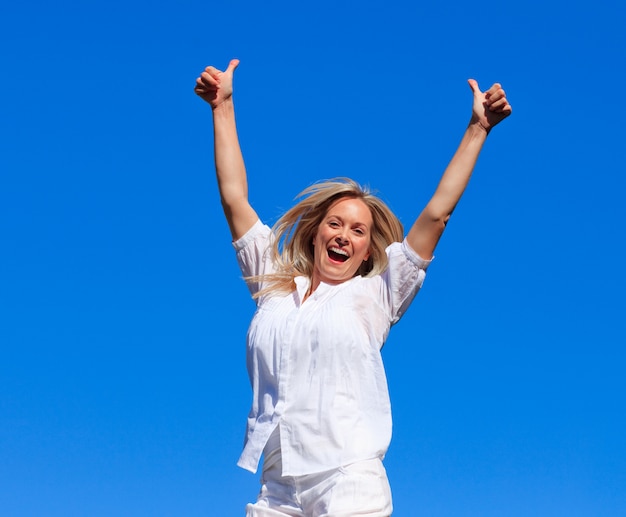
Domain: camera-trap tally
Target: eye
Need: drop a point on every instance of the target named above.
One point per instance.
(333, 224)
(359, 231)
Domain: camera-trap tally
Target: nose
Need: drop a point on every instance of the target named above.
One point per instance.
(342, 240)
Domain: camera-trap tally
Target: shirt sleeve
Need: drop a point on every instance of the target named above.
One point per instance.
(403, 277)
(254, 254)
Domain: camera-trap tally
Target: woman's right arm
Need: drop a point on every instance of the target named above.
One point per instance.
(216, 88)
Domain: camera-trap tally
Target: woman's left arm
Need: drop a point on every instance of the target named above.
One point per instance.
(490, 108)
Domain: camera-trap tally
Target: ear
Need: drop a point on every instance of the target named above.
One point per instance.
(367, 256)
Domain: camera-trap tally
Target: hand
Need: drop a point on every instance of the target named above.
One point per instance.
(215, 86)
(490, 107)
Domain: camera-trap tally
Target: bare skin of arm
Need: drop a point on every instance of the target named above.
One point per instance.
(489, 108)
(216, 88)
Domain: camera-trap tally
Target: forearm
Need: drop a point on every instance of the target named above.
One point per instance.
(229, 164)
(457, 174)
(429, 226)
(230, 170)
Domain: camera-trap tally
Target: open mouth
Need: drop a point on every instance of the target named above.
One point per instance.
(338, 254)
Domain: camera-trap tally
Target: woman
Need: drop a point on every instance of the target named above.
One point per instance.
(329, 280)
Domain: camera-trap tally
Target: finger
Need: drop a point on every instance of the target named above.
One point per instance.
(506, 110)
(209, 80)
(493, 90)
(211, 70)
(496, 98)
(497, 95)
(473, 84)
(495, 105)
(201, 90)
(234, 63)
(201, 87)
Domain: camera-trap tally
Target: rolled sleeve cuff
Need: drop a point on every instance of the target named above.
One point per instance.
(414, 257)
(249, 236)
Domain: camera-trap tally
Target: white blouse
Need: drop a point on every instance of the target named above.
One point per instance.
(315, 367)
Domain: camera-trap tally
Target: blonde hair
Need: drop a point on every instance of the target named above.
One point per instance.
(292, 250)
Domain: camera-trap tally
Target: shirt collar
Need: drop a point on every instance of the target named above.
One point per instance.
(302, 286)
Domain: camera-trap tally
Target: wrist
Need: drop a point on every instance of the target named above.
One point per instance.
(477, 128)
(226, 107)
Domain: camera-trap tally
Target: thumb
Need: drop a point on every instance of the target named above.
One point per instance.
(474, 86)
(234, 63)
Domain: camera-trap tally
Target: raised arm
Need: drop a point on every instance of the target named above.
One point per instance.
(216, 88)
(490, 107)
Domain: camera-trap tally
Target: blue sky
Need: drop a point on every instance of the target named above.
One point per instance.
(123, 389)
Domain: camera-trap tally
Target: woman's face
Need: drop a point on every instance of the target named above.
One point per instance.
(342, 242)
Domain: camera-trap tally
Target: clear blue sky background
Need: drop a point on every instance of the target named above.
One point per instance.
(123, 389)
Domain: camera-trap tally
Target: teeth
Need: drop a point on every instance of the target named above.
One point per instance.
(340, 251)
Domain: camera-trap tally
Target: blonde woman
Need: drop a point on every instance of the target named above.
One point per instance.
(330, 279)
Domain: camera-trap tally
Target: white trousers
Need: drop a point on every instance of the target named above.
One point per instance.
(359, 489)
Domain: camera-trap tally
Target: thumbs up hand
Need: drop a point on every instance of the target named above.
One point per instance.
(215, 86)
(490, 107)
